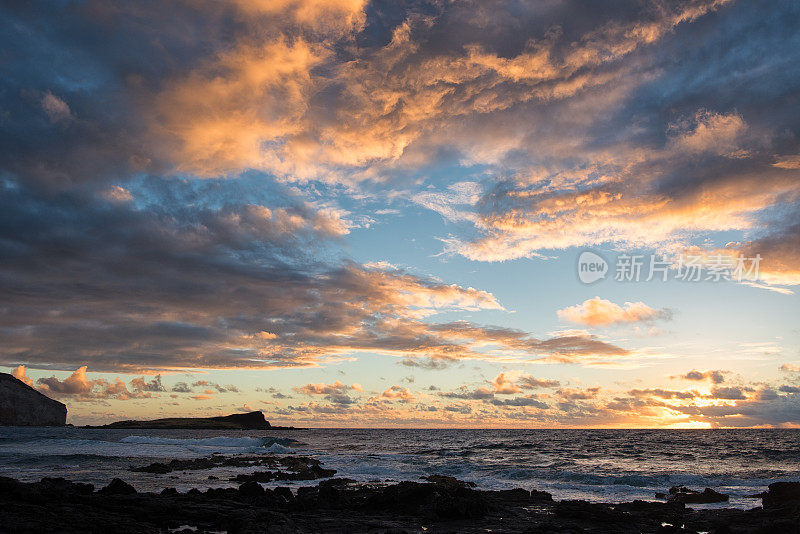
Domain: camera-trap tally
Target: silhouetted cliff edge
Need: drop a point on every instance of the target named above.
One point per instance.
(21, 405)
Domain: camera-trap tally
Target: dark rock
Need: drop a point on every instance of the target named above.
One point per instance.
(223, 493)
(430, 500)
(337, 482)
(514, 495)
(309, 470)
(320, 472)
(251, 489)
(283, 493)
(307, 492)
(157, 468)
(594, 512)
(651, 508)
(337, 505)
(541, 496)
(329, 496)
(522, 496)
(21, 405)
(64, 486)
(9, 485)
(257, 476)
(299, 467)
(118, 487)
(707, 496)
(448, 481)
(781, 494)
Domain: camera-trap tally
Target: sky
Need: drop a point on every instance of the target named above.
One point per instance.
(347, 213)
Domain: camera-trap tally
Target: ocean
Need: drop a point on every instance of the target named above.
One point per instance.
(595, 465)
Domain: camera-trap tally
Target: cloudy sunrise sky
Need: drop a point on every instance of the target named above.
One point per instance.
(351, 213)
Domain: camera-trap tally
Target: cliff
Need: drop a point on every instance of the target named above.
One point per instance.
(239, 421)
(21, 405)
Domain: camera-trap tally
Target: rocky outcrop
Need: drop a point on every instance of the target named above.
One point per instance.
(21, 405)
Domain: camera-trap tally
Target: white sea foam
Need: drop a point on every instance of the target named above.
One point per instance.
(277, 448)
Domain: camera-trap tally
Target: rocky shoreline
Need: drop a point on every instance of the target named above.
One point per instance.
(435, 504)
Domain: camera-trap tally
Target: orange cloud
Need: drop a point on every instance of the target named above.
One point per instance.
(602, 312)
(398, 393)
(80, 387)
(19, 374)
(504, 386)
(261, 104)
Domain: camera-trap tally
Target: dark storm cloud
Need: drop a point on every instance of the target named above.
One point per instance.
(708, 109)
(90, 280)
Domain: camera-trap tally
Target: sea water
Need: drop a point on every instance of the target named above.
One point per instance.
(596, 465)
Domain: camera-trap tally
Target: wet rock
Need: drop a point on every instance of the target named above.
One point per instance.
(781, 495)
(448, 481)
(118, 487)
(256, 476)
(540, 496)
(308, 473)
(514, 495)
(320, 472)
(521, 495)
(157, 468)
(687, 496)
(337, 482)
(304, 467)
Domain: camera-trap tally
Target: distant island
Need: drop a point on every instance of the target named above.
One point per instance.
(240, 421)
